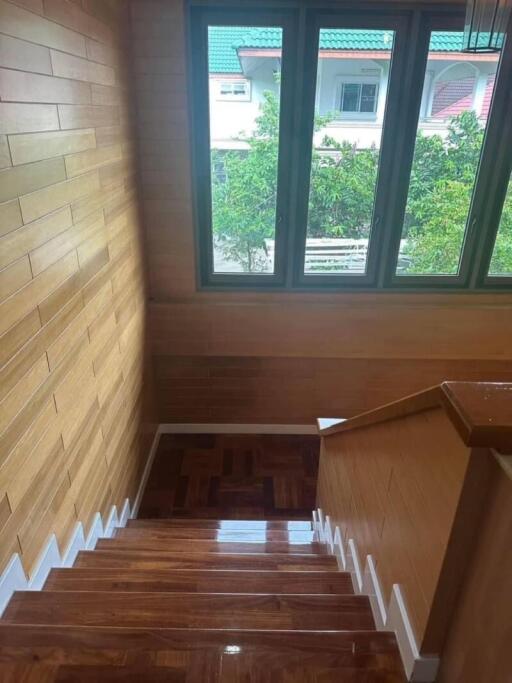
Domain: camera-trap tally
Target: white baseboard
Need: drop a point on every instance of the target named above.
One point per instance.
(417, 668)
(395, 618)
(372, 588)
(95, 532)
(339, 550)
(206, 428)
(14, 577)
(76, 543)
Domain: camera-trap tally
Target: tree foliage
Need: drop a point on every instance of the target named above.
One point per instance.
(343, 180)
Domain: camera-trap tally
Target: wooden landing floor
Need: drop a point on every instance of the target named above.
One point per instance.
(233, 477)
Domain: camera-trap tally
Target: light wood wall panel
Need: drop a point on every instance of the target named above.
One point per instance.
(478, 646)
(395, 488)
(285, 357)
(73, 437)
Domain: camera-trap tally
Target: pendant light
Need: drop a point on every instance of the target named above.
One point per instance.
(486, 25)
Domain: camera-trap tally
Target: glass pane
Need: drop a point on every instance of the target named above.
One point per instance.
(244, 142)
(350, 97)
(501, 262)
(351, 92)
(457, 94)
(368, 99)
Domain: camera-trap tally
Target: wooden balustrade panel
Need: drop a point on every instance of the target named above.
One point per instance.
(394, 487)
(478, 646)
(72, 295)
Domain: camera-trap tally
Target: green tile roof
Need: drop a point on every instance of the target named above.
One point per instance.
(225, 41)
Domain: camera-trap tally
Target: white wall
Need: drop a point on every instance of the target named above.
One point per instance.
(230, 121)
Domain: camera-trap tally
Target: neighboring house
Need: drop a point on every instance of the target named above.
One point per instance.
(352, 82)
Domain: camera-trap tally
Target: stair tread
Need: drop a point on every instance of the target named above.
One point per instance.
(224, 535)
(147, 559)
(182, 610)
(224, 524)
(117, 637)
(183, 545)
(201, 581)
(100, 653)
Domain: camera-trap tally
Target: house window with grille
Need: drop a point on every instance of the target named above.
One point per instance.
(358, 98)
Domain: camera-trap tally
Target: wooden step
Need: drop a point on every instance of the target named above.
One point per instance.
(147, 559)
(199, 581)
(50, 653)
(238, 535)
(81, 642)
(223, 524)
(150, 541)
(189, 610)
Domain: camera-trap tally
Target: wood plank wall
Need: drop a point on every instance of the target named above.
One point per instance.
(277, 358)
(72, 299)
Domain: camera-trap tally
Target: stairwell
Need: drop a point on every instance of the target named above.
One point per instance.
(197, 600)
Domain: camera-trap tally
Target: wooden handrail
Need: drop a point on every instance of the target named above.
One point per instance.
(481, 412)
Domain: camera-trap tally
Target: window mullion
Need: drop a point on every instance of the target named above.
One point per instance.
(493, 175)
(415, 52)
(308, 45)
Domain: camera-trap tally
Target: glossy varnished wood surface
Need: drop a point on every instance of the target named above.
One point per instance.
(165, 533)
(182, 610)
(481, 412)
(232, 476)
(188, 526)
(148, 559)
(200, 581)
(135, 614)
(72, 298)
(197, 656)
(159, 542)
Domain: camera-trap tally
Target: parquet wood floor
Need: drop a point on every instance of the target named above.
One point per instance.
(222, 476)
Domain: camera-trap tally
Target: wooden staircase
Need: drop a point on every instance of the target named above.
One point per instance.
(198, 602)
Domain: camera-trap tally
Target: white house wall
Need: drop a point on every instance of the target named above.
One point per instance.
(231, 120)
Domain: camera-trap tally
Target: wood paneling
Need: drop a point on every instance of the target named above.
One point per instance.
(478, 647)
(377, 347)
(410, 492)
(71, 275)
(226, 389)
(394, 487)
(481, 412)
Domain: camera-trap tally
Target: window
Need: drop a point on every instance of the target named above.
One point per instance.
(358, 98)
(235, 90)
(501, 261)
(244, 156)
(345, 161)
(446, 158)
(354, 154)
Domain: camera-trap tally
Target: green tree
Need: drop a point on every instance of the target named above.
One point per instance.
(501, 262)
(343, 178)
(342, 190)
(442, 179)
(244, 191)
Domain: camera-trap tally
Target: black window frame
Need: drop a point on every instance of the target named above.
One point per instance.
(301, 21)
